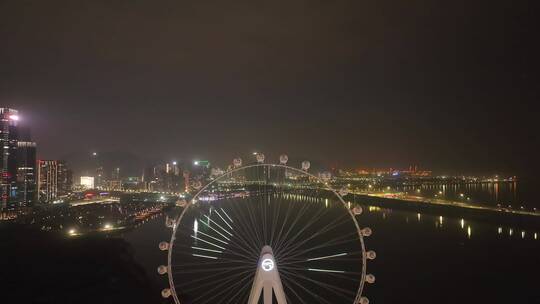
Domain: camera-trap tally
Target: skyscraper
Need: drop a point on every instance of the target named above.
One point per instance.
(8, 165)
(54, 180)
(47, 180)
(26, 172)
(65, 179)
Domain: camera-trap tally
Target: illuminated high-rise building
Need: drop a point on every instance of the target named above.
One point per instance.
(47, 180)
(99, 177)
(54, 180)
(65, 179)
(26, 172)
(8, 164)
(115, 174)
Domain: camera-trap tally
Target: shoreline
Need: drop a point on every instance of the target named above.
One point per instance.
(475, 212)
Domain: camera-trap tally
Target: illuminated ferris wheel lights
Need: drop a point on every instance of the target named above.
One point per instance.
(237, 162)
(166, 293)
(226, 215)
(181, 203)
(364, 300)
(162, 269)
(209, 243)
(370, 278)
(366, 231)
(357, 210)
(163, 246)
(327, 257)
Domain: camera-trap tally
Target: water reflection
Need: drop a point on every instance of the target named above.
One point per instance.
(447, 222)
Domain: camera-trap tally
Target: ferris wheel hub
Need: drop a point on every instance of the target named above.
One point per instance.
(267, 279)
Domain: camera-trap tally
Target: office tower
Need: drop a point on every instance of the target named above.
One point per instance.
(8, 163)
(65, 180)
(47, 180)
(99, 177)
(26, 172)
(115, 175)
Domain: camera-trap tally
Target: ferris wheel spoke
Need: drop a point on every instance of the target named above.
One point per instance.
(278, 239)
(218, 289)
(254, 223)
(334, 289)
(311, 222)
(286, 279)
(299, 215)
(226, 276)
(232, 241)
(332, 243)
(329, 287)
(223, 219)
(315, 296)
(326, 271)
(223, 229)
(249, 242)
(210, 227)
(216, 274)
(244, 224)
(332, 225)
(231, 295)
(215, 269)
(215, 262)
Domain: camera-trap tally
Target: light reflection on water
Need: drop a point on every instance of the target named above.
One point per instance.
(516, 194)
(449, 223)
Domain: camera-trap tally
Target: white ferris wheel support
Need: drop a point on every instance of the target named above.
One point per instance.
(267, 279)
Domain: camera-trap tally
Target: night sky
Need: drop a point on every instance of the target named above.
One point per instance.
(447, 85)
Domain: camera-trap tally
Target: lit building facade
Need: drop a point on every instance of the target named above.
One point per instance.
(54, 180)
(87, 182)
(65, 179)
(47, 180)
(26, 173)
(166, 178)
(8, 164)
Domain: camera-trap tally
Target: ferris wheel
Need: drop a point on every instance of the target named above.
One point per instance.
(267, 233)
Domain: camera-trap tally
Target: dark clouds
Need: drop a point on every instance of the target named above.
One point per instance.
(445, 84)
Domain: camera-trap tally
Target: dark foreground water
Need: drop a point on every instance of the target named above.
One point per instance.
(421, 258)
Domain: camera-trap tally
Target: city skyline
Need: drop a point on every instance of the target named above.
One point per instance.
(83, 161)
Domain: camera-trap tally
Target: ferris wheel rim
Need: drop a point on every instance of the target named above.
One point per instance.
(255, 165)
